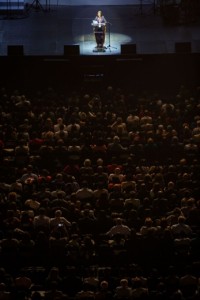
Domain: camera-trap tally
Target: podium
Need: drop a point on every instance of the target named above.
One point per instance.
(99, 30)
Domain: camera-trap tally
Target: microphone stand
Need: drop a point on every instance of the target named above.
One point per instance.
(109, 46)
(36, 5)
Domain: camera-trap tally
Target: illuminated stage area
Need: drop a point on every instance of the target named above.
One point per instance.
(47, 29)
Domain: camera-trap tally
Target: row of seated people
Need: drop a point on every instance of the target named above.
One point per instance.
(106, 180)
(101, 283)
(113, 124)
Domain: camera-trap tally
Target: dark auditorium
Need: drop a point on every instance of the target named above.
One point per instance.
(100, 150)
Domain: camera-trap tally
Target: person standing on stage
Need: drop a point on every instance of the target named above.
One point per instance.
(99, 24)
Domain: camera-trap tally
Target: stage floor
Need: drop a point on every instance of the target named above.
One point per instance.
(46, 30)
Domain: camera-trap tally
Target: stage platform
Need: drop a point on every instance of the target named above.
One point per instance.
(48, 29)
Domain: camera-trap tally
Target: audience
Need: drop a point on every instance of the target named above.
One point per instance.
(100, 195)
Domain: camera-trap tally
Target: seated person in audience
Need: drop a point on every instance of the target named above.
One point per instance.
(104, 293)
(41, 222)
(181, 228)
(123, 291)
(119, 228)
(59, 221)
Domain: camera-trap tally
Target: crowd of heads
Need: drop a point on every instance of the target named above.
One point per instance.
(100, 194)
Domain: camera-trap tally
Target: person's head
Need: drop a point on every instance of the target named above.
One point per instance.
(60, 121)
(170, 185)
(99, 13)
(58, 213)
(136, 282)
(148, 222)
(12, 196)
(116, 139)
(54, 272)
(2, 286)
(59, 176)
(41, 211)
(117, 171)
(118, 221)
(87, 162)
(36, 296)
(99, 162)
(124, 282)
(100, 169)
(104, 285)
